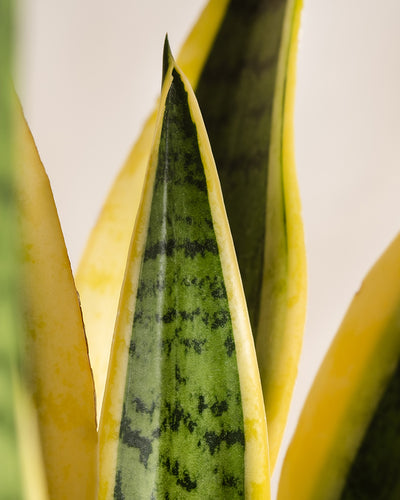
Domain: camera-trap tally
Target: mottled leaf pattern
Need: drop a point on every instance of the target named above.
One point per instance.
(181, 431)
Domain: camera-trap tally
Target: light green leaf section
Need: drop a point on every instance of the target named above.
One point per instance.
(10, 327)
(22, 474)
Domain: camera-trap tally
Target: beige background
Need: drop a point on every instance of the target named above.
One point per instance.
(88, 72)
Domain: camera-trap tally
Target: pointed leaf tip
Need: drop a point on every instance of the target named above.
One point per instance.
(168, 58)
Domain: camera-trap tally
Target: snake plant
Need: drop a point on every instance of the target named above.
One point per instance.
(167, 370)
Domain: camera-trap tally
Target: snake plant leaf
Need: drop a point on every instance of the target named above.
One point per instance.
(183, 414)
(57, 357)
(101, 270)
(347, 441)
(10, 328)
(246, 93)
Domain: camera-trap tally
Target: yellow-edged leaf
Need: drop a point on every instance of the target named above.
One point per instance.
(346, 444)
(56, 350)
(183, 413)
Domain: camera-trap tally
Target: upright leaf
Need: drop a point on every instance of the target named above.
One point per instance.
(57, 357)
(183, 412)
(246, 93)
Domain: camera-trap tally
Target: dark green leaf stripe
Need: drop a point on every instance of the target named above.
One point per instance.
(246, 95)
(235, 93)
(181, 433)
(375, 471)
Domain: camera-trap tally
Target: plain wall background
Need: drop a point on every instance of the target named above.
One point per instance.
(88, 72)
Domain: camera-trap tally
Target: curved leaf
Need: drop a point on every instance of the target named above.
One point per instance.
(57, 358)
(346, 444)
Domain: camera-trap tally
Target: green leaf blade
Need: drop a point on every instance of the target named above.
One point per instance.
(176, 423)
(236, 93)
(246, 92)
(174, 418)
